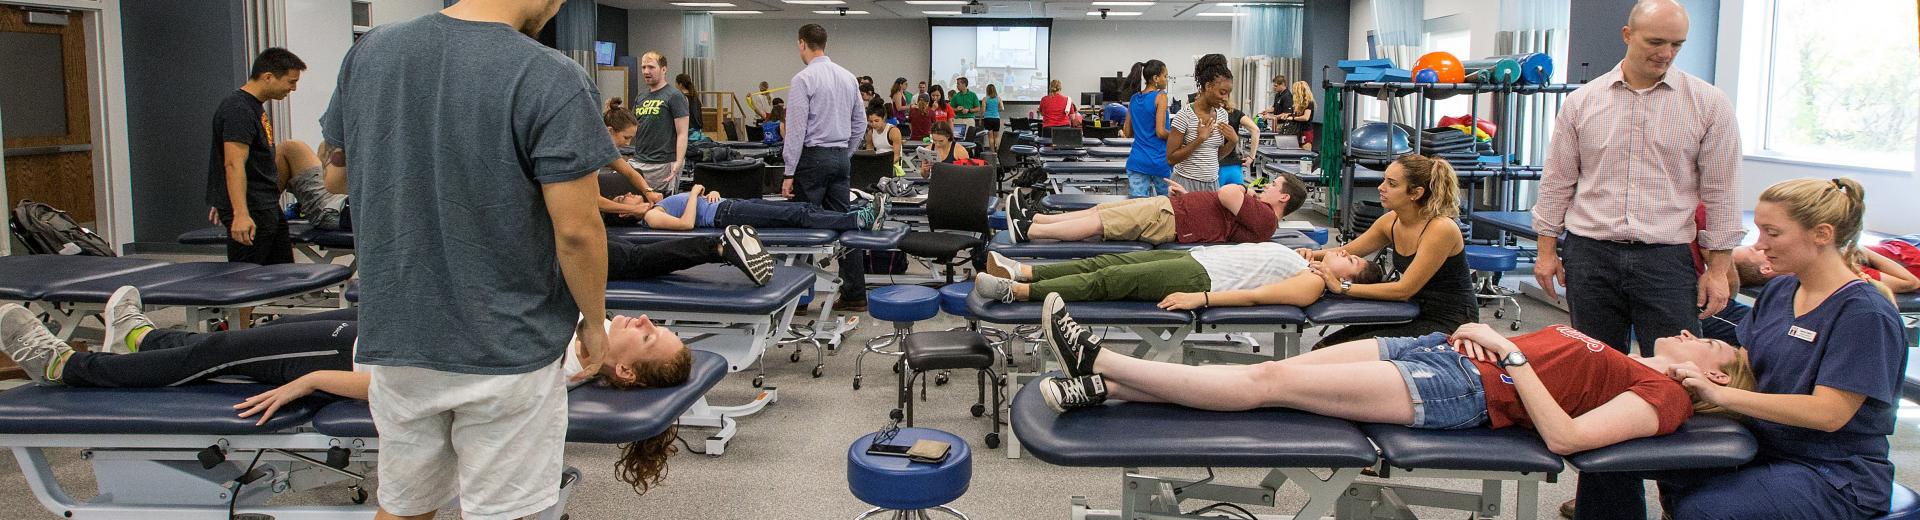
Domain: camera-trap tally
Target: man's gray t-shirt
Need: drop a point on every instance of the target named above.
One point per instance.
(450, 128)
(653, 142)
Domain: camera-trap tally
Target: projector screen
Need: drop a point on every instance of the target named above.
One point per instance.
(1012, 58)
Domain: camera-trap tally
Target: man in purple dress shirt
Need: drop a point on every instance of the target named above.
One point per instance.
(825, 122)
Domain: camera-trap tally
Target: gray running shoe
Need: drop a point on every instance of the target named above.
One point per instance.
(124, 314)
(29, 343)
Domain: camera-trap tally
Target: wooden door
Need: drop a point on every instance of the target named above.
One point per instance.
(43, 93)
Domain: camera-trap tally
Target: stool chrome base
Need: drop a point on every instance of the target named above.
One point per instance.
(916, 514)
(878, 345)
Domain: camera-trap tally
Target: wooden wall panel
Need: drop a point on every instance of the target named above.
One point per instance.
(64, 180)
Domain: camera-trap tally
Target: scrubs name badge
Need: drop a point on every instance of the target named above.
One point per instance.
(1801, 333)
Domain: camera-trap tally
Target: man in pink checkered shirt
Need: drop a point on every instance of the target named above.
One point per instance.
(1633, 153)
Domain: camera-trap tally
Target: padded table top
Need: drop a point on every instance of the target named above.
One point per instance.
(1058, 250)
(1704, 441)
(1087, 313)
(1077, 201)
(1292, 238)
(1341, 310)
(1518, 222)
(1255, 315)
(1117, 141)
(1057, 152)
(1519, 449)
(595, 413)
(885, 238)
(29, 277)
(1120, 434)
(147, 280)
(710, 288)
(261, 283)
(204, 409)
(1275, 152)
(1085, 167)
(299, 231)
(769, 236)
(1110, 152)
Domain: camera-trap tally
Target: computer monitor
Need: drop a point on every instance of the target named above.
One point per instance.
(1088, 99)
(1066, 138)
(603, 53)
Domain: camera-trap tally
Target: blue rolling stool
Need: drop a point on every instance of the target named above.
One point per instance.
(903, 305)
(1906, 505)
(1486, 263)
(909, 489)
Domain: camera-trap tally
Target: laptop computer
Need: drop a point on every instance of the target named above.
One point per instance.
(1065, 138)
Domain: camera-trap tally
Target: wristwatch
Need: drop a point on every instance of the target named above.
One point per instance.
(1346, 286)
(1513, 359)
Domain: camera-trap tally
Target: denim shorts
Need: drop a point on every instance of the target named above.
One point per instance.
(1444, 385)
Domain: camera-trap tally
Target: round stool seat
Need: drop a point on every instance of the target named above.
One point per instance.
(1906, 505)
(1493, 259)
(953, 298)
(903, 303)
(900, 484)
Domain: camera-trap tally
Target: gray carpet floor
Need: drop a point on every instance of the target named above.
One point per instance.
(789, 461)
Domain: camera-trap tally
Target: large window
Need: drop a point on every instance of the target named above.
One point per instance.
(1459, 42)
(1844, 83)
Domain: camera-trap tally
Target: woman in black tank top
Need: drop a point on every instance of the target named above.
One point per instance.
(1429, 263)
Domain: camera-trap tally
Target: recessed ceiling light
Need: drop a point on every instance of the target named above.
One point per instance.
(702, 4)
(838, 12)
(1122, 4)
(937, 2)
(936, 13)
(734, 12)
(1221, 14)
(1114, 13)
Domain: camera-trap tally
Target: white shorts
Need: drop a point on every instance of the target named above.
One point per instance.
(494, 442)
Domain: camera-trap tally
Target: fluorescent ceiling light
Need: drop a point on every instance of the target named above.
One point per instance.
(1114, 13)
(734, 12)
(1221, 14)
(815, 2)
(702, 4)
(1121, 4)
(838, 12)
(936, 2)
(940, 12)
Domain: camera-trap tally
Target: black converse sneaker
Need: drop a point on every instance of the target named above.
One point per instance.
(1066, 393)
(745, 252)
(1072, 344)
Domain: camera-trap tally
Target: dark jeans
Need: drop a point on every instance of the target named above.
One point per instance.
(1614, 289)
(272, 244)
(1764, 488)
(776, 214)
(631, 261)
(1725, 325)
(273, 354)
(820, 178)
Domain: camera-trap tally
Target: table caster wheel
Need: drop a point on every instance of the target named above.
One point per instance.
(896, 414)
(819, 370)
(357, 494)
(795, 356)
(940, 380)
(856, 382)
(896, 368)
(759, 380)
(978, 410)
(993, 440)
(1513, 326)
(1499, 313)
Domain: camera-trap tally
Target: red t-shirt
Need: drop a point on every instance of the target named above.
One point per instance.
(1898, 251)
(1198, 217)
(1053, 110)
(1581, 373)
(942, 113)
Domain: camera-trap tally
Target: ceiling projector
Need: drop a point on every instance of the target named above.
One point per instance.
(974, 7)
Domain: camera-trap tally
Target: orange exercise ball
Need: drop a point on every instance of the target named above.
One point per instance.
(1444, 65)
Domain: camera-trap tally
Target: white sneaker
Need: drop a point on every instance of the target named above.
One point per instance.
(1001, 266)
(124, 313)
(29, 343)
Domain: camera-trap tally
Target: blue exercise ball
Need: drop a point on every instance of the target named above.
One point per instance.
(1380, 138)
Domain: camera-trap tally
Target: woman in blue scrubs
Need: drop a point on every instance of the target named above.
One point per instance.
(1827, 349)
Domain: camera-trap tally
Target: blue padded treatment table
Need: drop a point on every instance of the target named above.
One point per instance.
(596, 413)
(710, 289)
(1516, 222)
(1077, 201)
(29, 277)
(1057, 153)
(1110, 152)
(769, 236)
(1095, 313)
(191, 410)
(1520, 449)
(1084, 168)
(1055, 250)
(208, 283)
(1117, 141)
(298, 231)
(1342, 310)
(1271, 152)
(1265, 438)
(1704, 441)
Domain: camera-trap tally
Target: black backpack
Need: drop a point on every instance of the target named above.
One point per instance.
(710, 152)
(49, 231)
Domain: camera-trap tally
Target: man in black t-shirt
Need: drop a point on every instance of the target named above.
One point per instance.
(243, 183)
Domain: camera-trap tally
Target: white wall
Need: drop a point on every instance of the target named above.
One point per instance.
(319, 32)
(386, 11)
(657, 30)
(1086, 50)
(754, 50)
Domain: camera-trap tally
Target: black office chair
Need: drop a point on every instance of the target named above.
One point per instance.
(957, 198)
(736, 179)
(869, 168)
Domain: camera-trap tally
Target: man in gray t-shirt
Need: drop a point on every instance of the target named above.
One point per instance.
(467, 149)
(660, 144)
